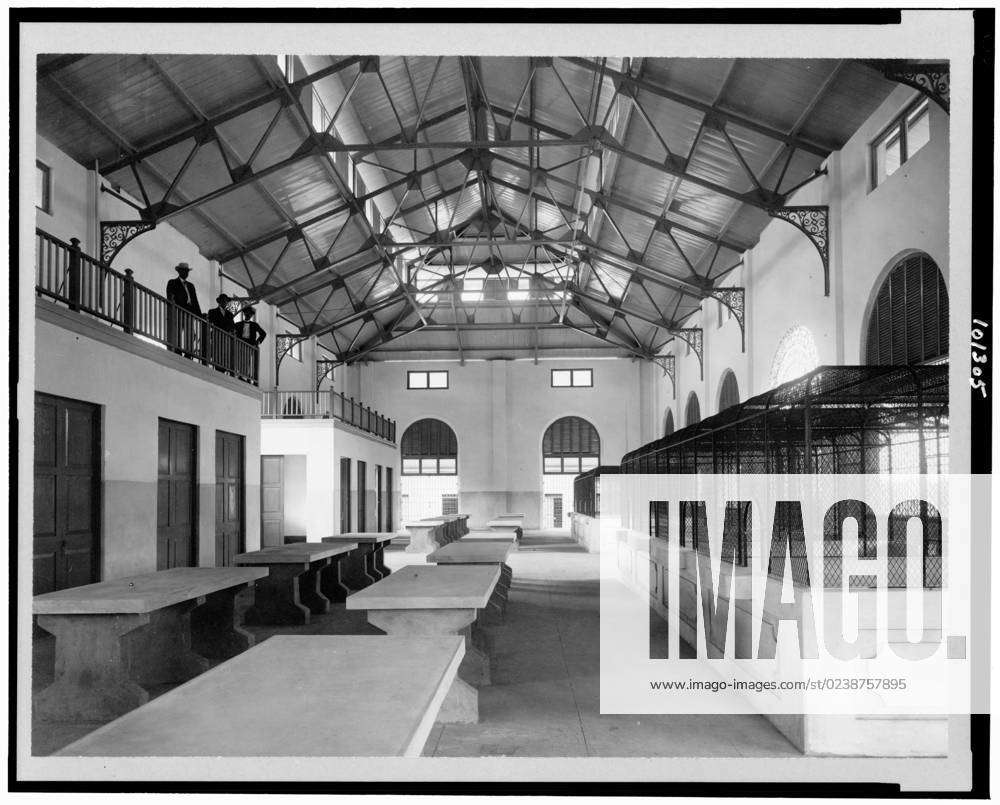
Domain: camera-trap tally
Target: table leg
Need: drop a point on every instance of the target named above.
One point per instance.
(353, 572)
(161, 653)
(380, 558)
(276, 597)
(371, 561)
(93, 680)
(310, 593)
(460, 705)
(331, 582)
(475, 667)
(216, 626)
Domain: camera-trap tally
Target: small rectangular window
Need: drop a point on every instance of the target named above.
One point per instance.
(428, 466)
(906, 135)
(553, 465)
(587, 463)
(571, 464)
(43, 187)
(447, 466)
(411, 466)
(575, 378)
(427, 380)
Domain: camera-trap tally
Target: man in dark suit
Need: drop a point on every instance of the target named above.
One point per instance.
(252, 333)
(181, 326)
(220, 349)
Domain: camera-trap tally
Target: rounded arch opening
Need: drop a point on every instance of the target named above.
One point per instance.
(429, 480)
(692, 411)
(907, 320)
(668, 422)
(796, 354)
(570, 445)
(729, 390)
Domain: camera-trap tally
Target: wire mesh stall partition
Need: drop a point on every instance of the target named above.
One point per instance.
(835, 419)
(64, 273)
(587, 490)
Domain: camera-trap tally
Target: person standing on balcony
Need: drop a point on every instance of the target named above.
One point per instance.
(180, 326)
(221, 318)
(251, 332)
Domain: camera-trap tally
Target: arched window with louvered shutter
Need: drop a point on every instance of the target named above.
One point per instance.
(429, 447)
(729, 391)
(668, 423)
(692, 412)
(570, 446)
(908, 322)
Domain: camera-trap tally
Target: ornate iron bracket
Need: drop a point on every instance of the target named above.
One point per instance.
(324, 369)
(814, 221)
(115, 234)
(283, 344)
(735, 300)
(933, 79)
(694, 338)
(236, 303)
(669, 365)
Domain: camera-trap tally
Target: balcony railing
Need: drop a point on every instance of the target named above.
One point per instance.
(64, 273)
(326, 405)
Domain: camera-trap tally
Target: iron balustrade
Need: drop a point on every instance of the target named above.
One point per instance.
(328, 404)
(587, 490)
(64, 273)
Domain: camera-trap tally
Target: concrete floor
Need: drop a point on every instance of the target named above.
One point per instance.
(544, 698)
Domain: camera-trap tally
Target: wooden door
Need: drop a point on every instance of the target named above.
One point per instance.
(379, 498)
(272, 500)
(388, 499)
(345, 495)
(176, 496)
(67, 493)
(362, 496)
(229, 497)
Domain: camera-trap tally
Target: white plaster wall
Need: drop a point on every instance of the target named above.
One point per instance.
(134, 392)
(324, 442)
(499, 411)
(296, 503)
(869, 231)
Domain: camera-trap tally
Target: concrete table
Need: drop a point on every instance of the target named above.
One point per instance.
(115, 639)
(291, 591)
(423, 536)
(367, 564)
(437, 600)
(449, 526)
(301, 695)
(481, 552)
(509, 525)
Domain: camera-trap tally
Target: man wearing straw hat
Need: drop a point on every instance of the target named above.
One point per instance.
(181, 325)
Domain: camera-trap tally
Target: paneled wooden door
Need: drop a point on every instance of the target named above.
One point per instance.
(176, 496)
(229, 497)
(67, 493)
(272, 500)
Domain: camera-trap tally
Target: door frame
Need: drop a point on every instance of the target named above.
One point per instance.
(243, 489)
(196, 483)
(97, 548)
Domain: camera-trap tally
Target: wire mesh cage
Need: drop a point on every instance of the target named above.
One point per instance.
(833, 420)
(587, 490)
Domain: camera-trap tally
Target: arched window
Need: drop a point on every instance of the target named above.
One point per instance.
(796, 355)
(692, 412)
(668, 422)
(908, 322)
(729, 391)
(570, 446)
(429, 447)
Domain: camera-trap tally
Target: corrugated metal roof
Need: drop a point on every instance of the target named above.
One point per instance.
(659, 158)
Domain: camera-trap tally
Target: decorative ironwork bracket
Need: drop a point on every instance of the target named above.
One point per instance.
(933, 79)
(735, 300)
(694, 338)
(236, 304)
(669, 365)
(283, 344)
(115, 234)
(324, 369)
(814, 221)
